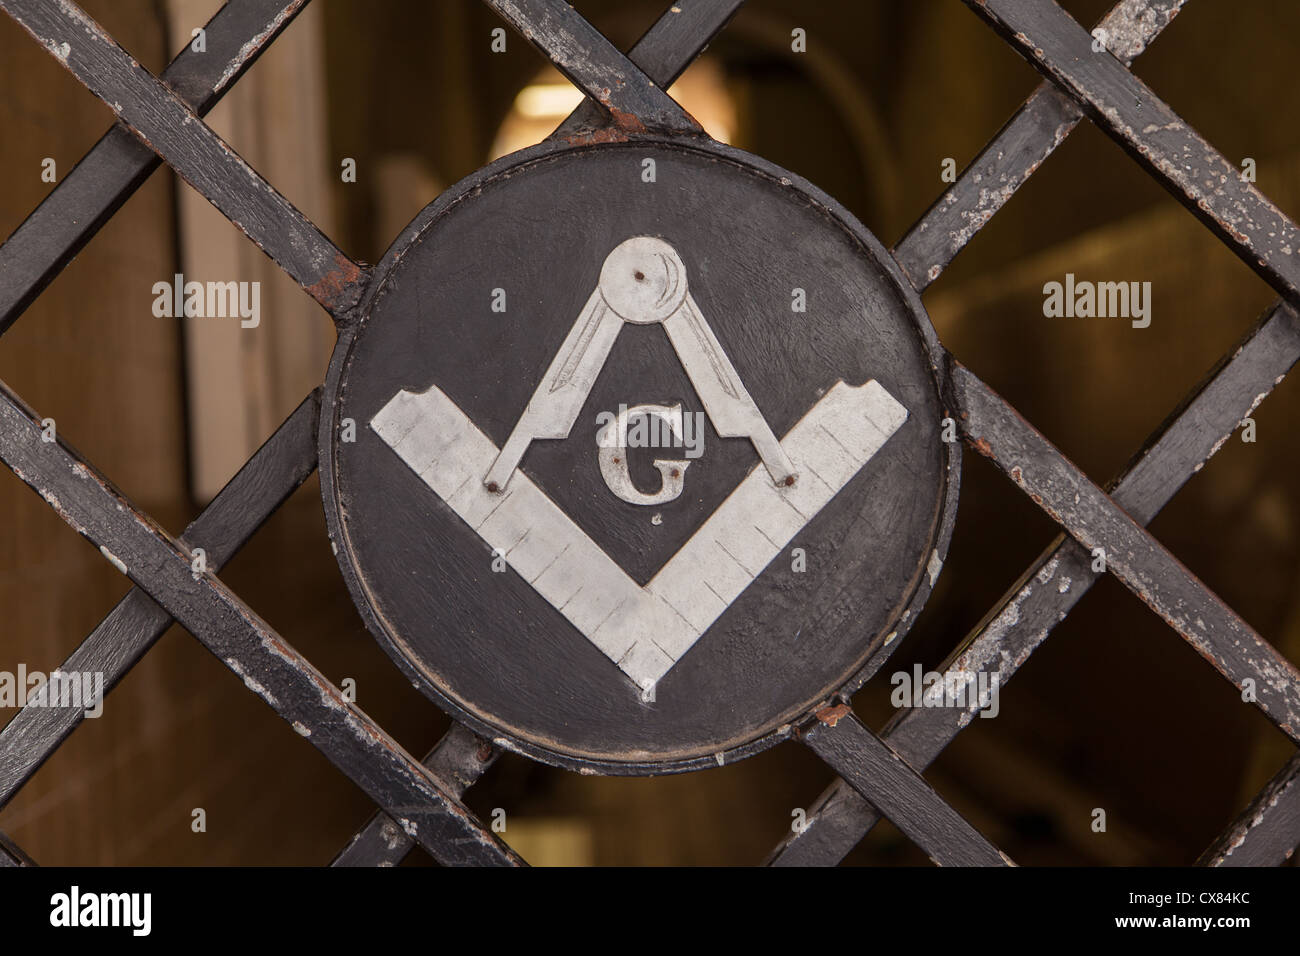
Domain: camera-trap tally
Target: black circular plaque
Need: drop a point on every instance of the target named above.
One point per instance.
(666, 608)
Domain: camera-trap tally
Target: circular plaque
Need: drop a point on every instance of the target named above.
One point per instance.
(633, 458)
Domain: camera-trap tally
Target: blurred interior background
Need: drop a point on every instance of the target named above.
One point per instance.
(1114, 711)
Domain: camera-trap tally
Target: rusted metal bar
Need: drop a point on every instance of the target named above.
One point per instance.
(11, 854)
(901, 794)
(458, 760)
(1127, 110)
(268, 665)
(663, 54)
(118, 164)
(1059, 578)
(1142, 564)
(277, 469)
(1011, 157)
(634, 102)
(1267, 832)
(168, 127)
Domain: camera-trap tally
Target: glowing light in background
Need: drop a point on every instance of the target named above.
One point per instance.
(547, 101)
(543, 104)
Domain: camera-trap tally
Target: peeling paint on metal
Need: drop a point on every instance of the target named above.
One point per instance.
(113, 559)
(934, 567)
(251, 48)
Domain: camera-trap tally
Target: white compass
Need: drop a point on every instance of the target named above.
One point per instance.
(643, 282)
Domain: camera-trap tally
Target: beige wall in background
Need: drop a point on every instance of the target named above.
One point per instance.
(243, 382)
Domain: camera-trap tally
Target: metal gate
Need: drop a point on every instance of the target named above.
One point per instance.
(880, 774)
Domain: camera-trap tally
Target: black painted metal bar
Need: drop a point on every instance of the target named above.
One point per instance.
(1123, 106)
(663, 54)
(886, 780)
(118, 164)
(11, 854)
(633, 101)
(1267, 832)
(268, 665)
(1142, 564)
(167, 126)
(458, 760)
(274, 472)
(1047, 117)
(1059, 578)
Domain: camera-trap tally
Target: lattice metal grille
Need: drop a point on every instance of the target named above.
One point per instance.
(879, 773)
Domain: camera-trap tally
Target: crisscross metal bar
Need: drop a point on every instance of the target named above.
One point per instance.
(1142, 564)
(1139, 121)
(903, 795)
(1028, 612)
(274, 472)
(119, 163)
(458, 760)
(269, 666)
(665, 51)
(1268, 831)
(597, 67)
(202, 158)
(1041, 124)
